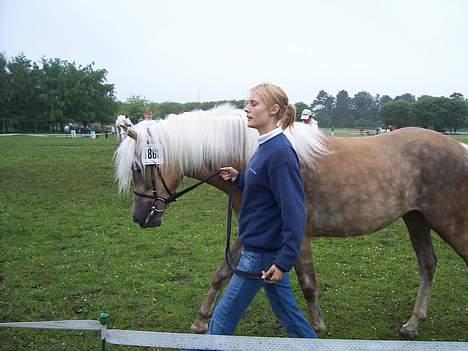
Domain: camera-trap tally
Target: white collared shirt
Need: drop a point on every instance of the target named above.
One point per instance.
(269, 135)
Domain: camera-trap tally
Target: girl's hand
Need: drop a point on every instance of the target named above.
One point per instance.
(229, 173)
(272, 275)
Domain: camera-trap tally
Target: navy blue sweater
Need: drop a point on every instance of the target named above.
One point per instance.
(273, 211)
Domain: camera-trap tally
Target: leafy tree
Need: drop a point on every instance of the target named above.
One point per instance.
(457, 96)
(406, 97)
(384, 99)
(398, 113)
(440, 113)
(343, 109)
(364, 108)
(103, 97)
(52, 91)
(457, 113)
(134, 107)
(169, 107)
(428, 113)
(324, 105)
(422, 97)
(91, 98)
(23, 99)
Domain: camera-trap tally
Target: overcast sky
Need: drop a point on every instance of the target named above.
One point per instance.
(176, 50)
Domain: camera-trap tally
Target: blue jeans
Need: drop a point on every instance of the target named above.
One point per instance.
(241, 291)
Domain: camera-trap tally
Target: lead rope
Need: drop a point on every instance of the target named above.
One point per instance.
(173, 197)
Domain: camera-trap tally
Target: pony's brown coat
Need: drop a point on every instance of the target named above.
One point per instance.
(363, 185)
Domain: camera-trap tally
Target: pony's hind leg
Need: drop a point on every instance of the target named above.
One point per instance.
(420, 235)
(220, 278)
(306, 274)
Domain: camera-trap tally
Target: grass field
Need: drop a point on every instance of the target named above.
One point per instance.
(69, 250)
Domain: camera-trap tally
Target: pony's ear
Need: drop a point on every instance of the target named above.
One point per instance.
(130, 131)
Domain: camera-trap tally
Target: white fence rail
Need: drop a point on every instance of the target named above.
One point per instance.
(231, 343)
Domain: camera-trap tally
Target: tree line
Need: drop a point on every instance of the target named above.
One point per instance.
(46, 96)
(343, 111)
(365, 110)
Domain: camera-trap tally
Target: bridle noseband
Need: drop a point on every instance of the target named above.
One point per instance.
(154, 196)
(172, 196)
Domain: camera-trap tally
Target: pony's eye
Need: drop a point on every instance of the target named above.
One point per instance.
(136, 168)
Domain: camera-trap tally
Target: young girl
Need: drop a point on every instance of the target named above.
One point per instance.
(272, 218)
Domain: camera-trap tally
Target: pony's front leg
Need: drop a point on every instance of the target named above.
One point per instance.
(220, 278)
(306, 274)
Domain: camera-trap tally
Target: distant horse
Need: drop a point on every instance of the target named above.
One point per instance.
(354, 186)
(122, 120)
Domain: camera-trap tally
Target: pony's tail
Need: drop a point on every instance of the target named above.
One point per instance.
(289, 117)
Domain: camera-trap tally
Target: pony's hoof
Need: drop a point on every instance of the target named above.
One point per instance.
(199, 327)
(320, 327)
(408, 333)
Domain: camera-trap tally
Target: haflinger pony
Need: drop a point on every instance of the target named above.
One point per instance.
(354, 186)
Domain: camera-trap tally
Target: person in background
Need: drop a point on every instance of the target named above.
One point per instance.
(72, 131)
(92, 134)
(272, 218)
(148, 114)
(307, 118)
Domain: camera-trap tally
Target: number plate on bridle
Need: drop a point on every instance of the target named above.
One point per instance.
(152, 155)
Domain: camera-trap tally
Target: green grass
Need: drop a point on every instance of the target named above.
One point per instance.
(69, 250)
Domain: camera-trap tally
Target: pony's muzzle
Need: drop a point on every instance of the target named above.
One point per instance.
(145, 223)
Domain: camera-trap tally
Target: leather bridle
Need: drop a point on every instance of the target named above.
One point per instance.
(172, 196)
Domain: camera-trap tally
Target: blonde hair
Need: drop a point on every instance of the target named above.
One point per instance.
(271, 95)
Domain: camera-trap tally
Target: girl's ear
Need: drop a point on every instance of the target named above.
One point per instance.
(274, 109)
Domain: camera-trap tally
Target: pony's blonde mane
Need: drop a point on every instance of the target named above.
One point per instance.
(201, 142)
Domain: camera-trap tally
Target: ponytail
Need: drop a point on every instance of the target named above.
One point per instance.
(289, 117)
